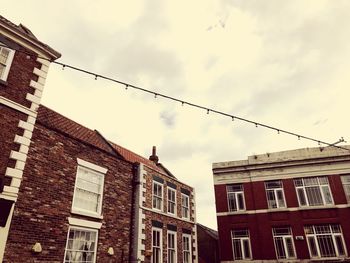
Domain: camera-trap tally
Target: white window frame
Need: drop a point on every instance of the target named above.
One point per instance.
(171, 201)
(236, 195)
(82, 229)
(157, 197)
(184, 250)
(311, 233)
(346, 185)
(8, 62)
(185, 210)
(97, 170)
(284, 238)
(276, 203)
(174, 234)
(321, 186)
(160, 246)
(241, 240)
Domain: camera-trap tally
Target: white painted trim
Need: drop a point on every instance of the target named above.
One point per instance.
(15, 36)
(25, 125)
(262, 211)
(39, 73)
(10, 190)
(84, 223)
(18, 156)
(41, 81)
(36, 85)
(43, 61)
(160, 230)
(4, 231)
(22, 140)
(17, 106)
(12, 172)
(33, 98)
(92, 166)
(175, 244)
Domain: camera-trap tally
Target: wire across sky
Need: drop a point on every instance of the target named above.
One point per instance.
(208, 110)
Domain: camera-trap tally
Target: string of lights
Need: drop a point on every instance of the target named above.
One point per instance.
(183, 102)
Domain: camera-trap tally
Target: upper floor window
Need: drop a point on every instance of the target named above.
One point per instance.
(346, 184)
(283, 240)
(172, 247)
(6, 56)
(81, 245)
(241, 244)
(157, 245)
(313, 191)
(325, 241)
(171, 201)
(157, 195)
(235, 197)
(275, 195)
(185, 206)
(186, 248)
(88, 190)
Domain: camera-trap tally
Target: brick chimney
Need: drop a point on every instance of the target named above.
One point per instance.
(154, 158)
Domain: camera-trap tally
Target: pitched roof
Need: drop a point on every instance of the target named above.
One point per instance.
(58, 122)
(25, 33)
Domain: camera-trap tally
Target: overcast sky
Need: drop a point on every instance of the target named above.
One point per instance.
(282, 63)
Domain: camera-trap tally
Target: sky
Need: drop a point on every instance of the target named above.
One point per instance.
(281, 63)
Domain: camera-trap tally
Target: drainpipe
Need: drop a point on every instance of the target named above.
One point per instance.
(134, 217)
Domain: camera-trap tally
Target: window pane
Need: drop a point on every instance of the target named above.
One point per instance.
(340, 245)
(271, 199)
(273, 184)
(237, 249)
(327, 194)
(232, 202)
(326, 246)
(235, 188)
(314, 195)
(280, 247)
(301, 195)
(290, 248)
(313, 248)
(240, 201)
(280, 198)
(246, 249)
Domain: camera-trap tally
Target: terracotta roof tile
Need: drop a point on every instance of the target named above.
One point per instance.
(57, 121)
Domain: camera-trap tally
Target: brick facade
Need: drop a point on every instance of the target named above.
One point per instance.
(329, 164)
(43, 154)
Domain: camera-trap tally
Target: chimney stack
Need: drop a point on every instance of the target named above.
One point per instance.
(154, 158)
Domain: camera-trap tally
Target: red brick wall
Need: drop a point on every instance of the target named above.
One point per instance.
(9, 119)
(46, 194)
(260, 225)
(20, 75)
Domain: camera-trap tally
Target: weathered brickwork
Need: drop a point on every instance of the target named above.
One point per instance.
(45, 200)
(18, 84)
(182, 225)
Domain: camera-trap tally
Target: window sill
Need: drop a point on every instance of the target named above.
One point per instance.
(317, 207)
(86, 213)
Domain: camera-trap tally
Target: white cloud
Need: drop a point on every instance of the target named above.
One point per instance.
(284, 63)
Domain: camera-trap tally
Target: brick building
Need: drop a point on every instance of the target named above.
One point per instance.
(165, 229)
(285, 206)
(68, 194)
(208, 244)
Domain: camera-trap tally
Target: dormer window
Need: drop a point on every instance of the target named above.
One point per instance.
(6, 57)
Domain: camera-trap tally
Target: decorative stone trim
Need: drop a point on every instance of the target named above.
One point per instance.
(195, 245)
(142, 217)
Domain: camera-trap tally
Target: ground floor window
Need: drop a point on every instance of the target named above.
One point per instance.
(171, 247)
(156, 245)
(241, 244)
(81, 245)
(325, 241)
(186, 248)
(283, 240)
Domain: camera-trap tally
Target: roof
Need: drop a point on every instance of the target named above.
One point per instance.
(58, 122)
(213, 233)
(25, 33)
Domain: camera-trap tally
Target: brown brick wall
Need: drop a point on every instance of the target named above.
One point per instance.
(9, 119)
(150, 215)
(46, 195)
(20, 75)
